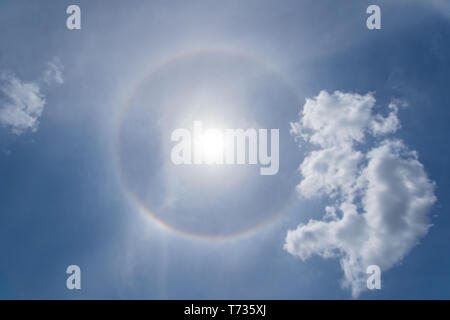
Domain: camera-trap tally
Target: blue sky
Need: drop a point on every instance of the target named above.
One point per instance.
(70, 183)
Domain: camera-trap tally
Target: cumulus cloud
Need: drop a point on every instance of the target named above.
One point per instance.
(21, 102)
(381, 125)
(380, 197)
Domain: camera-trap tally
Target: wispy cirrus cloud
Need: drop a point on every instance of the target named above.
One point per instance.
(380, 197)
(21, 102)
(54, 72)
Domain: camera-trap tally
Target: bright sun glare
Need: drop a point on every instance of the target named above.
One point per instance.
(212, 145)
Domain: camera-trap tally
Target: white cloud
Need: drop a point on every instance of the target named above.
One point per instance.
(381, 198)
(21, 106)
(333, 120)
(381, 125)
(329, 171)
(22, 103)
(53, 74)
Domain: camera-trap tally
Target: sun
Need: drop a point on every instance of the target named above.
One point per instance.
(212, 144)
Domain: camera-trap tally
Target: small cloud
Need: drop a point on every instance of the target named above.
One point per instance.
(21, 102)
(383, 125)
(54, 72)
(380, 199)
